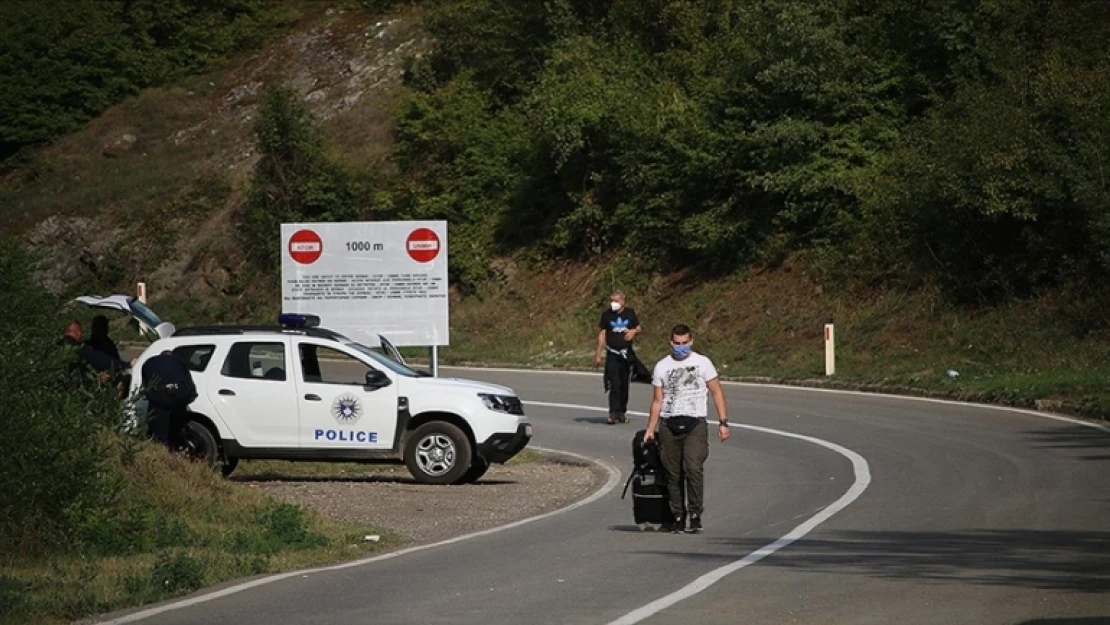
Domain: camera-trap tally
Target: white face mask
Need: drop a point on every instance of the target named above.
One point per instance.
(615, 306)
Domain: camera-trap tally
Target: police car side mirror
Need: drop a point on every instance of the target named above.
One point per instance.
(376, 379)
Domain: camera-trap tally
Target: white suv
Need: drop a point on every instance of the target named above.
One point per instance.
(300, 392)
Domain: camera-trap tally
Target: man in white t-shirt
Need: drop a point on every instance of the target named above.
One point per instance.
(682, 384)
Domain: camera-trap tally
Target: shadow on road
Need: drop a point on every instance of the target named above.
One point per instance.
(1075, 437)
(1051, 560)
(361, 479)
(594, 420)
(635, 529)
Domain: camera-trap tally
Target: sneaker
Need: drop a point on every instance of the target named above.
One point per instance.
(621, 418)
(611, 419)
(678, 526)
(695, 524)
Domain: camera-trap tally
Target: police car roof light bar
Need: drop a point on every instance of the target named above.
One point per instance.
(297, 320)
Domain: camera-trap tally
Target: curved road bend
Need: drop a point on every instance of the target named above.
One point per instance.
(960, 515)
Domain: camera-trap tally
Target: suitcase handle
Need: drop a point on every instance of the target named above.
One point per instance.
(631, 477)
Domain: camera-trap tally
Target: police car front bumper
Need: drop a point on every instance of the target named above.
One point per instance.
(500, 448)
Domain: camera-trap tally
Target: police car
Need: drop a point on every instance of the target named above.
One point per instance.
(300, 392)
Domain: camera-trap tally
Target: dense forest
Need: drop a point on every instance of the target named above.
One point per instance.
(959, 144)
(63, 63)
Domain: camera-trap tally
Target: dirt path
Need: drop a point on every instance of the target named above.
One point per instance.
(421, 513)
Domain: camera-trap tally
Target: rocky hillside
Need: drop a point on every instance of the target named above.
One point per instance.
(147, 192)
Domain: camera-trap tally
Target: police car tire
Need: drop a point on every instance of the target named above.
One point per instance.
(207, 441)
(425, 435)
(228, 466)
(477, 469)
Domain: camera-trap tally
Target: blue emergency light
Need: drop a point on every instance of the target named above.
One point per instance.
(297, 320)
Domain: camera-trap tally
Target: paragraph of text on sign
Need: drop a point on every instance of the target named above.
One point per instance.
(353, 287)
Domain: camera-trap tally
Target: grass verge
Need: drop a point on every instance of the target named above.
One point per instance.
(768, 327)
(178, 527)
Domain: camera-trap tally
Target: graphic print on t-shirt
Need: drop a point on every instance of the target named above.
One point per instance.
(616, 324)
(682, 390)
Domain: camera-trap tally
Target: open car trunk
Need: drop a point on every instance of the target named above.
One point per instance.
(131, 306)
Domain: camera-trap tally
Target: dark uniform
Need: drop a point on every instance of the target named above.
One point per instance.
(169, 389)
(88, 360)
(104, 345)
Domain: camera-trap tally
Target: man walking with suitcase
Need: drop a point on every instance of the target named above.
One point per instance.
(682, 384)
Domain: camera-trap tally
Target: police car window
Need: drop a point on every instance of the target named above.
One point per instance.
(255, 361)
(384, 360)
(195, 356)
(325, 365)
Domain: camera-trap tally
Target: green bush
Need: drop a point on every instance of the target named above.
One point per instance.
(52, 447)
(294, 180)
(275, 528)
(177, 572)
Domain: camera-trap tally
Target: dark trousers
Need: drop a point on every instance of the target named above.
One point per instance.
(684, 457)
(618, 371)
(166, 423)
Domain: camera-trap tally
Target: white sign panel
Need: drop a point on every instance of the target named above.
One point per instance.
(366, 279)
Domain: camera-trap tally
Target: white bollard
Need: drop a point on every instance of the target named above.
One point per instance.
(830, 347)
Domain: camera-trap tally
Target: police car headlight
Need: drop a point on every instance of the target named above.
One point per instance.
(502, 403)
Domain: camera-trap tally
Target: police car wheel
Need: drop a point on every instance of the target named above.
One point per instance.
(200, 444)
(229, 466)
(438, 453)
(477, 469)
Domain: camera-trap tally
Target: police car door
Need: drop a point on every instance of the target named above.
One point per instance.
(253, 394)
(344, 402)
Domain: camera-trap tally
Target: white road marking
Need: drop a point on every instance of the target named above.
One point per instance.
(810, 389)
(612, 482)
(862, 480)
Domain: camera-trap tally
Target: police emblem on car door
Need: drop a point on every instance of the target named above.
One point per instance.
(346, 409)
(340, 408)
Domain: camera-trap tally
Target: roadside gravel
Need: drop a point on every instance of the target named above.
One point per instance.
(420, 513)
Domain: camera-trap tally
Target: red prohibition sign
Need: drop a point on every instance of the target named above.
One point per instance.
(423, 245)
(305, 247)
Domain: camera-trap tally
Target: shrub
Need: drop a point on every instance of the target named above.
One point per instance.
(52, 472)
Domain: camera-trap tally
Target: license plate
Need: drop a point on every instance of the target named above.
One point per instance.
(528, 430)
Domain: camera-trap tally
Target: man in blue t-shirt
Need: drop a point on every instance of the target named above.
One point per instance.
(618, 327)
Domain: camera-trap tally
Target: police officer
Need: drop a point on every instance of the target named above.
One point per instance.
(100, 340)
(168, 387)
(86, 359)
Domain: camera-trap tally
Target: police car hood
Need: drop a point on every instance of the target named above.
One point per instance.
(460, 384)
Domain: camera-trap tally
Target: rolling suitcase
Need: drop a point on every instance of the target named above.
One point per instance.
(650, 505)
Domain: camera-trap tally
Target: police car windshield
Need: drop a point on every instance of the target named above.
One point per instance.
(384, 360)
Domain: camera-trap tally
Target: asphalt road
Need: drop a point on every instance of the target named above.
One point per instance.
(887, 511)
